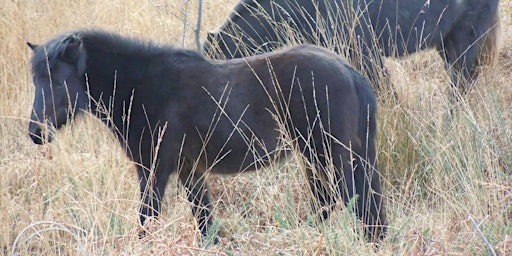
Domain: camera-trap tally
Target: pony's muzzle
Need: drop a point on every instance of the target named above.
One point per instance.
(38, 134)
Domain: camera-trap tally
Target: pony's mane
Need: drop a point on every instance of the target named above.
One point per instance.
(107, 42)
(114, 43)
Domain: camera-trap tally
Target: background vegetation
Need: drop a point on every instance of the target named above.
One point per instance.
(447, 178)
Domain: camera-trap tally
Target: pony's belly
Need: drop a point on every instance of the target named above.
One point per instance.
(242, 161)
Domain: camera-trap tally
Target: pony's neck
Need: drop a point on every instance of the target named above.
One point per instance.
(111, 73)
(113, 80)
(127, 75)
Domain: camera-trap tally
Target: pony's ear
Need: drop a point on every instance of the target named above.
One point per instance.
(72, 49)
(74, 52)
(32, 46)
(212, 34)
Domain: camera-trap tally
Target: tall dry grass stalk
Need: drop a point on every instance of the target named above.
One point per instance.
(446, 176)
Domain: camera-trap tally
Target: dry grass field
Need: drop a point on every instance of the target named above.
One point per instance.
(446, 178)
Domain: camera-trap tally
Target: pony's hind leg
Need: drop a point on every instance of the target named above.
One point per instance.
(471, 44)
(324, 178)
(323, 201)
(460, 59)
(370, 206)
(350, 177)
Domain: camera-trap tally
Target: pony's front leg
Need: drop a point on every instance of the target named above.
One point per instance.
(152, 189)
(370, 205)
(198, 195)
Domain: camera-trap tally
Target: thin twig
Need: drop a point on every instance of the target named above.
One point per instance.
(197, 29)
(477, 229)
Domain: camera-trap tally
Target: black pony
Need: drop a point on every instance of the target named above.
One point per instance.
(465, 32)
(176, 112)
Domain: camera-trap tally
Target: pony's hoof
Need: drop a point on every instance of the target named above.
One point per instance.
(142, 234)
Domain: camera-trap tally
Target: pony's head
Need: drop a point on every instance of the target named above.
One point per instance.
(58, 69)
(221, 45)
(241, 34)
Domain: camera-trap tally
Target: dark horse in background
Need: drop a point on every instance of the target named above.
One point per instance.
(465, 32)
(176, 112)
